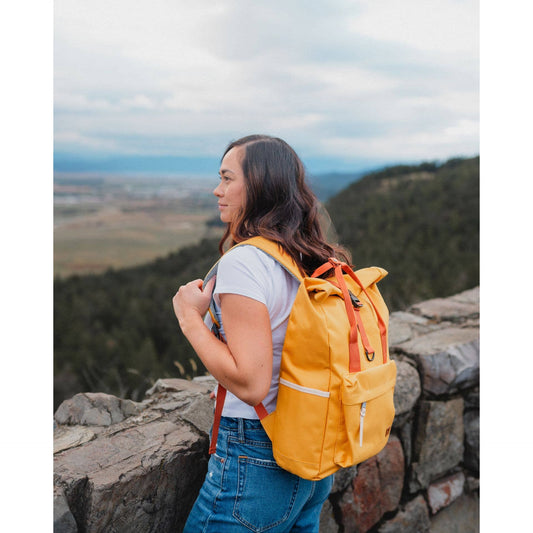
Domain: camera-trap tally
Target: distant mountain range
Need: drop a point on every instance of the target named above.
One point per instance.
(327, 176)
(133, 164)
(327, 185)
(199, 166)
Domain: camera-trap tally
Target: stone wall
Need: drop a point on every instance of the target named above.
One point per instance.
(122, 466)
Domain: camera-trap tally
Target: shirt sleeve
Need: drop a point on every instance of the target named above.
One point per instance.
(244, 271)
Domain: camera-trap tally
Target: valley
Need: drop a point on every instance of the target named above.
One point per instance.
(116, 222)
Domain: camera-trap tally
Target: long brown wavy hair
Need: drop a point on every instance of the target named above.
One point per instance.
(279, 205)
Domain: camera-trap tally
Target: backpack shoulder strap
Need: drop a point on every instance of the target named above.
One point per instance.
(274, 250)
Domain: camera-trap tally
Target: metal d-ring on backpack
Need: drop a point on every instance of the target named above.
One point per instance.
(335, 401)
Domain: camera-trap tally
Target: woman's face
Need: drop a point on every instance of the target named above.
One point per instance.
(231, 191)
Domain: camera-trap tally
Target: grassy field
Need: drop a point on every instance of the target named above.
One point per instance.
(121, 232)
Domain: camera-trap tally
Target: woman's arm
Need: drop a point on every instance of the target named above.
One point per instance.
(244, 364)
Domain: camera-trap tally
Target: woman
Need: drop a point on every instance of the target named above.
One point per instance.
(262, 192)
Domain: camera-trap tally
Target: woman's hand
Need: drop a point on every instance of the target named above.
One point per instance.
(192, 301)
(243, 364)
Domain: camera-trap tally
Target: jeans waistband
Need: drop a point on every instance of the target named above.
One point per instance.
(239, 424)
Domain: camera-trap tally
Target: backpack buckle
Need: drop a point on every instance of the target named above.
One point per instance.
(355, 301)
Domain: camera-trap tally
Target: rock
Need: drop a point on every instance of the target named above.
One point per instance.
(462, 516)
(399, 328)
(143, 478)
(470, 296)
(195, 407)
(456, 308)
(471, 398)
(350, 513)
(132, 473)
(343, 478)
(445, 491)
(377, 489)
(391, 466)
(471, 422)
(414, 518)
(207, 380)
(95, 409)
(191, 398)
(403, 326)
(448, 358)
(472, 484)
(66, 437)
(406, 392)
(63, 520)
(439, 442)
(405, 434)
(176, 385)
(327, 519)
(200, 412)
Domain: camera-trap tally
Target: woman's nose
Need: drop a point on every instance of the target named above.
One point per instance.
(217, 190)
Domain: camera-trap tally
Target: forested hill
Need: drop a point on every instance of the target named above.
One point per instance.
(421, 223)
(116, 332)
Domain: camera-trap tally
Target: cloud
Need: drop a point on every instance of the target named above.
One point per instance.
(447, 27)
(79, 102)
(426, 144)
(169, 76)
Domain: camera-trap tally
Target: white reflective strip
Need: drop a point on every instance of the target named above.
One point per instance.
(316, 392)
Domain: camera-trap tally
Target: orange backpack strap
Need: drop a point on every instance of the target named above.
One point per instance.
(355, 358)
(221, 391)
(381, 322)
(261, 411)
(366, 343)
(221, 396)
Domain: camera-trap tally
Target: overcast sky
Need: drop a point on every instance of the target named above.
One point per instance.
(349, 80)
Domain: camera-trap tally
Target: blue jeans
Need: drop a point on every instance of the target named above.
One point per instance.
(245, 490)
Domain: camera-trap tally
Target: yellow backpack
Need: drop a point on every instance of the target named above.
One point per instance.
(335, 401)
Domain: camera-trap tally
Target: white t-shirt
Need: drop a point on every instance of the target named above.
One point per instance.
(250, 272)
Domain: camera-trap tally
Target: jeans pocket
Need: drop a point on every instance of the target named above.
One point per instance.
(216, 470)
(265, 494)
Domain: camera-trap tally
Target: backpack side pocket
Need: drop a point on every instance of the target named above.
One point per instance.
(299, 426)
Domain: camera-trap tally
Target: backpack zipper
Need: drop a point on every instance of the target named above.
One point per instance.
(301, 388)
(361, 423)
